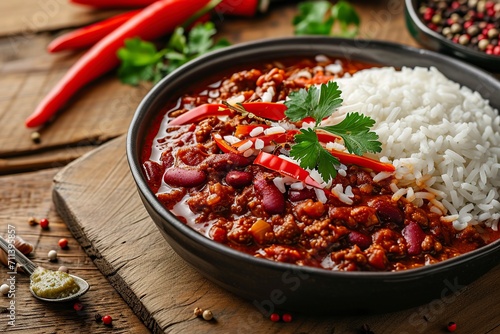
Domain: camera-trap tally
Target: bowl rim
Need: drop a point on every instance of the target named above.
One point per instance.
(133, 152)
(412, 12)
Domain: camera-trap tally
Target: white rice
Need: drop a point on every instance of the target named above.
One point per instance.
(442, 138)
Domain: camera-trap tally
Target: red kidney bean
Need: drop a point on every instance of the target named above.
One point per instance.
(388, 213)
(179, 177)
(153, 172)
(361, 240)
(227, 161)
(414, 236)
(239, 179)
(300, 195)
(273, 201)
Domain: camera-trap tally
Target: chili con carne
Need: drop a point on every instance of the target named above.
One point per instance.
(268, 206)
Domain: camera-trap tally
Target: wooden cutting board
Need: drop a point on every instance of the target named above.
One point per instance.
(97, 198)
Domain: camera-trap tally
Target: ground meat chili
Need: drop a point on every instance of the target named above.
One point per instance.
(217, 189)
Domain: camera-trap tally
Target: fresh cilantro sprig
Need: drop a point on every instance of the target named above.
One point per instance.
(319, 103)
(319, 18)
(355, 132)
(141, 61)
(311, 154)
(315, 103)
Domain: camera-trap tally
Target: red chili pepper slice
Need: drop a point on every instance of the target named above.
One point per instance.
(201, 112)
(285, 167)
(152, 22)
(89, 35)
(269, 110)
(227, 7)
(272, 111)
(326, 137)
(353, 159)
(278, 138)
(223, 145)
(244, 130)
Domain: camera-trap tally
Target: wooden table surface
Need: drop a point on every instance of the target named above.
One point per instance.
(97, 114)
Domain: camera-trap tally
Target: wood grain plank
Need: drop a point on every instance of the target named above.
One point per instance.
(108, 220)
(22, 17)
(53, 158)
(29, 194)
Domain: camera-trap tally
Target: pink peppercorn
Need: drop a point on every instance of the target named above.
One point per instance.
(451, 327)
(44, 223)
(107, 320)
(78, 306)
(275, 317)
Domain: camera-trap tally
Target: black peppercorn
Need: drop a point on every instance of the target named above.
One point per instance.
(471, 23)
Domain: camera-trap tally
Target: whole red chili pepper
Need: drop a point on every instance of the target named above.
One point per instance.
(231, 7)
(152, 22)
(89, 35)
(115, 3)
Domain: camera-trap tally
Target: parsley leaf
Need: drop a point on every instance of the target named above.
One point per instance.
(355, 131)
(315, 102)
(347, 16)
(312, 18)
(308, 150)
(141, 61)
(138, 61)
(319, 18)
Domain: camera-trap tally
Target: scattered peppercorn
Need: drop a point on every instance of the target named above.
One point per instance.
(287, 317)
(36, 138)
(52, 255)
(63, 269)
(451, 327)
(44, 223)
(471, 23)
(198, 312)
(4, 289)
(98, 318)
(32, 221)
(275, 317)
(207, 315)
(107, 320)
(63, 243)
(78, 306)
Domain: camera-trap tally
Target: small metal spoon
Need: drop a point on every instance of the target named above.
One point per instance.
(29, 267)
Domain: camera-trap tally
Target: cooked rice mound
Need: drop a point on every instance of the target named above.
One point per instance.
(442, 138)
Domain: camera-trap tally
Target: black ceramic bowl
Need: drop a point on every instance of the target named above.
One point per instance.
(270, 285)
(437, 42)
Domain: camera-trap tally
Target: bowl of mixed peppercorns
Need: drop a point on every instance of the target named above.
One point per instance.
(466, 29)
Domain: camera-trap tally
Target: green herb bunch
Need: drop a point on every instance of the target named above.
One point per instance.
(320, 103)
